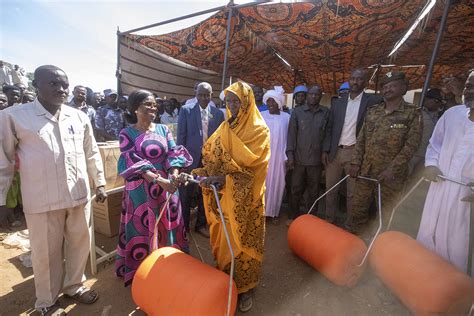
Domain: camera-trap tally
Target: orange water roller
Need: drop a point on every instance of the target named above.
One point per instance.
(337, 254)
(170, 282)
(426, 283)
(332, 251)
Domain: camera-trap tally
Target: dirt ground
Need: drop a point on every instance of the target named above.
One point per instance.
(288, 285)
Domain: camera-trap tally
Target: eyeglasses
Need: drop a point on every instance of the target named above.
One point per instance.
(149, 105)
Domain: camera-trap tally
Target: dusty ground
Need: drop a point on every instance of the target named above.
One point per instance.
(288, 286)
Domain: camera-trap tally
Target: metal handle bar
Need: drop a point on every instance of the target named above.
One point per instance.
(227, 237)
(457, 182)
(471, 238)
(379, 208)
(394, 210)
(325, 193)
(154, 238)
(334, 186)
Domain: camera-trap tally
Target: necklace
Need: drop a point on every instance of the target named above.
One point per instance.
(145, 129)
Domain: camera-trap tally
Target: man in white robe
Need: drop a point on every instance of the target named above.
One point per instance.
(277, 121)
(445, 224)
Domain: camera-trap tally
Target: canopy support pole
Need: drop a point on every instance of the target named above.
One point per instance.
(175, 19)
(118, 72)
(244, 5)
(227, 42)
(429, 75)
(377, 76)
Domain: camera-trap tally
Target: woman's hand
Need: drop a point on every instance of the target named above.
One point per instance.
(217, 181)
(182, 178)
(150, 176)
(167, 185)
(174, 178)
(173, 173)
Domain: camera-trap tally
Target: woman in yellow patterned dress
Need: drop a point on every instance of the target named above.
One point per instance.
(236, 158)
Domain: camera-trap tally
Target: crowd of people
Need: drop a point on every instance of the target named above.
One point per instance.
(14, 86)
(256, 150)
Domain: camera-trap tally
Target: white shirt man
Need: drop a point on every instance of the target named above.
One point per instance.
(445, 223)
(50, 150)
(347, 116)
(205, 123)
(58, 154)
(348, 134)
(444, 226)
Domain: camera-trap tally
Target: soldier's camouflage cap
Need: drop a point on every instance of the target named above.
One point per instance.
(392, 76)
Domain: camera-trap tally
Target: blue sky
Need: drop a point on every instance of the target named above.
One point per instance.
(80, 36)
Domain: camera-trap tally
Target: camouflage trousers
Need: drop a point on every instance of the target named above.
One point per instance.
(365, 192)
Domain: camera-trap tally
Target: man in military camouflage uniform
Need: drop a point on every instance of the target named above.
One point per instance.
(109, 119)
(387, 141)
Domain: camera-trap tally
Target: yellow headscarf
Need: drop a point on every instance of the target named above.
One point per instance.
(249, 126)
(240, 150)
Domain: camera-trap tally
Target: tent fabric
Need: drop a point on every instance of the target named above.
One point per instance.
(456, 54)
(142, 68)
(321, 41)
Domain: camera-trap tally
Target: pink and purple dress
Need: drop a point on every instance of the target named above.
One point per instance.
(142, 200)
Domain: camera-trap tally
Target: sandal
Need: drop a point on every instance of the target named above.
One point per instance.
(245, 301)
(53, 310)
(84, 296)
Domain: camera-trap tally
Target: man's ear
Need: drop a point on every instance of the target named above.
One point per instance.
(33, 83)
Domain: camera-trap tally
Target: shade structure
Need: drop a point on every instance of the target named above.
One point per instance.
(320, 42)
(143, 68)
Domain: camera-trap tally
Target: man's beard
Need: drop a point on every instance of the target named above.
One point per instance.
(469, 102)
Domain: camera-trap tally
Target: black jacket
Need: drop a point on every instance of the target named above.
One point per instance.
(336, 120)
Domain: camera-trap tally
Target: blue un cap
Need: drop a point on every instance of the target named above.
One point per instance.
(300, 88)
(344, 86)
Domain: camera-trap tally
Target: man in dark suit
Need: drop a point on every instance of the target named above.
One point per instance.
(346, 117)
(196, 123)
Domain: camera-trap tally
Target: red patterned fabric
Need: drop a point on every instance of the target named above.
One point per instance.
(456, 54)
(321, 41)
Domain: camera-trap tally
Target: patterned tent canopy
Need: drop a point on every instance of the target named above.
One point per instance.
(320, 42)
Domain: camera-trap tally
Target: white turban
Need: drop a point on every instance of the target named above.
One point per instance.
(276, 94)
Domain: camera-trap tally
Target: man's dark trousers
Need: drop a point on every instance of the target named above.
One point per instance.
(304, 178)
(187, 194)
